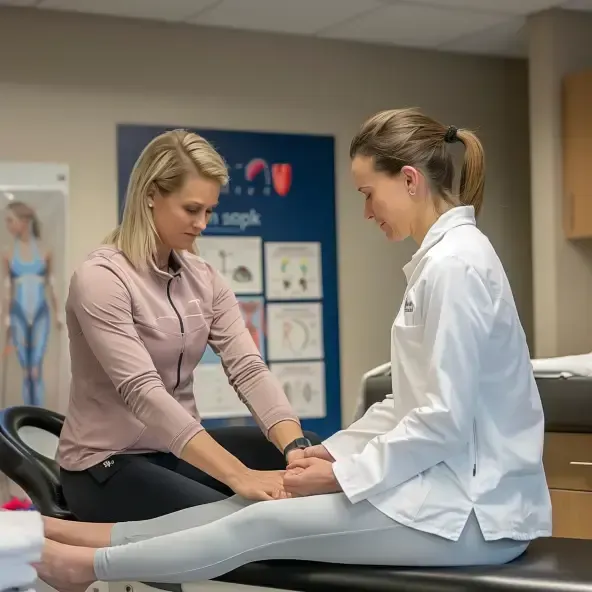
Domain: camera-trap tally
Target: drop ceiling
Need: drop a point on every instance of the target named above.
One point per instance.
(491, 27)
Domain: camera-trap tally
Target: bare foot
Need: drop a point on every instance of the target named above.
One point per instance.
(65, 568)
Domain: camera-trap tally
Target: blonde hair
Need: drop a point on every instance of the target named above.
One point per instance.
(25, 212)
(163, 165)
(400, 137)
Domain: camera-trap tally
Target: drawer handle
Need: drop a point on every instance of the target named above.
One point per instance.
(581, 463)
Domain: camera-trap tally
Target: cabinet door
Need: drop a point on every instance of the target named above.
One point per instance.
(572, 514)
(568, 461)
(577, 155)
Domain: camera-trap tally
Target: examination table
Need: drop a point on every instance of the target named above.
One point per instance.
(550, 564)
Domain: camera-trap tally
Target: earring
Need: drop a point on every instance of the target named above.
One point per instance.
(412, 193)
(150, 205)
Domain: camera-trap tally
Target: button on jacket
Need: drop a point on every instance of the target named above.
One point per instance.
(464, 430)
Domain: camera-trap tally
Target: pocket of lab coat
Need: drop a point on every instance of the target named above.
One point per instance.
(408, 345)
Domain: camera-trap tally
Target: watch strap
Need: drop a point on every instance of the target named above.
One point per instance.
(297, 444)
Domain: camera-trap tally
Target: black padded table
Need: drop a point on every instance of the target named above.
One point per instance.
(549, 565)
(567, 402)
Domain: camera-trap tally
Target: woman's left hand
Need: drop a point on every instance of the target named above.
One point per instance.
(310, 476)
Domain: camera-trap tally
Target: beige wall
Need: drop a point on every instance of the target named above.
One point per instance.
(559, 43)
(66, 80)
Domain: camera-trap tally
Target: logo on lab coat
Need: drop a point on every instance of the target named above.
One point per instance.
(409, 307)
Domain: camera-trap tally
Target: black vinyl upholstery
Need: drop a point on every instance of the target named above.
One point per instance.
(567, 401)
(549, 565)
(36, 474)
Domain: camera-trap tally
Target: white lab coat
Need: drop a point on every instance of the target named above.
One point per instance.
(465, 430)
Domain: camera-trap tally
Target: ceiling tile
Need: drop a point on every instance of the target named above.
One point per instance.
(414, 25)
(505, 39)
(287, 16)
(166, 10)
(19, 2)
(504, 6)
(578, 5)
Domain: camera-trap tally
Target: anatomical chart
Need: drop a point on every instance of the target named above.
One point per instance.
(294, 331)
(304, 385)
(252, 309)
(238, 259)
(214, 396)
(293, 271)
(213, 393)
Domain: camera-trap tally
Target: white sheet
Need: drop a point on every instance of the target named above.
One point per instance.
(563, 366)
(21, 543)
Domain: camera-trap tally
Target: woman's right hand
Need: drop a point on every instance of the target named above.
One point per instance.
(318, 451)
(259, 485)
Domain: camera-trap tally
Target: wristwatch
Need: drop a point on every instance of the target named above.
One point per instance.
(298, 444)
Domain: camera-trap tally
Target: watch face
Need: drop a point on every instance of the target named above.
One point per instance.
(299, 443)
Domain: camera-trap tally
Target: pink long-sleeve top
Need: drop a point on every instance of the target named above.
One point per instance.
(136, 336)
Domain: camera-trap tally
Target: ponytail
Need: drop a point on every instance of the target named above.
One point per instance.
(472, 176)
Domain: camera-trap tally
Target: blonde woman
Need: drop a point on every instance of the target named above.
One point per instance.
(449, 473)
(140, 312)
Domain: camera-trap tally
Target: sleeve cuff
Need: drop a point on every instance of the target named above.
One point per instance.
(347, 473)
(274, 420)
(342, 445)
(180, 441)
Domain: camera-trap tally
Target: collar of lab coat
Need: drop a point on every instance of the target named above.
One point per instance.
(458, 216)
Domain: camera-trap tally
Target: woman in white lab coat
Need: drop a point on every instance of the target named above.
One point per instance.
(448, 472)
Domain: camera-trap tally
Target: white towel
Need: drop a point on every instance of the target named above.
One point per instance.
(16, 575)
(563, 366)
(21, 543)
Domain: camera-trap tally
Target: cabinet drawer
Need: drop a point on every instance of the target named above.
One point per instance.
(568, 461)
(572, 514)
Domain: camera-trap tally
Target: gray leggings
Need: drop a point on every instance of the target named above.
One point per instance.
(208, 541)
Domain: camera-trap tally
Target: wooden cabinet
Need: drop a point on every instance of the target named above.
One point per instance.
(577, 155)
(568, 466)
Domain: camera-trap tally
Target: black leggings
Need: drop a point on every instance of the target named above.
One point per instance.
(130, 487)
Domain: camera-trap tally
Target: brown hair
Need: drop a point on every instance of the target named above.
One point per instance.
(25, 212)
(400, 137)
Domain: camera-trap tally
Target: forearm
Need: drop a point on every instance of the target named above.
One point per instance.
(203, 452)
(284, 432)
(262, 393)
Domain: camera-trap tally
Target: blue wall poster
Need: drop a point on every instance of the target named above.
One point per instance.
(273, 237)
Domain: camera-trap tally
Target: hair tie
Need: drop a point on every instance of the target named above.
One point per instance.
(450, 136)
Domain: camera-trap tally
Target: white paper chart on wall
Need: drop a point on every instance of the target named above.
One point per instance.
(294, 331)
(304, 386)
(237, 259)
(214, 395)
(293, 271)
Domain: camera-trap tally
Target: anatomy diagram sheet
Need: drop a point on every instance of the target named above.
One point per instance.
(304, 385)
(293, 271)
(238, 259)
(295, 331)
(214, 396)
